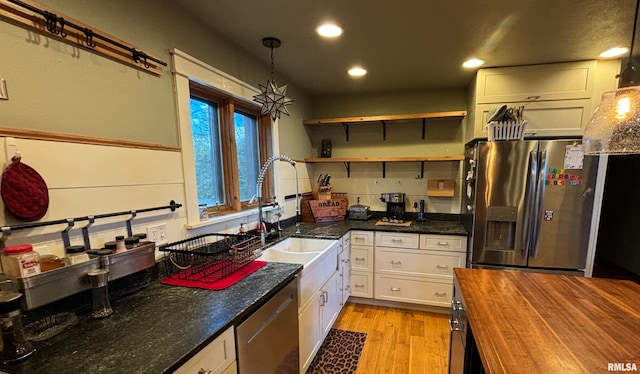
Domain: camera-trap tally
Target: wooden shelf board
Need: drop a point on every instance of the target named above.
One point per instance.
(383, 159)
(393, 117)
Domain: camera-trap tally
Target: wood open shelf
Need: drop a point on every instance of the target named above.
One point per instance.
(348, 160)
(348, 121)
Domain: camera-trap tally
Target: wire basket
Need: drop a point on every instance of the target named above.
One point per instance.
(507, 130)
(210, 257)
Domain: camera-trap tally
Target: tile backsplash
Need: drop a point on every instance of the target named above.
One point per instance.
(366, 182)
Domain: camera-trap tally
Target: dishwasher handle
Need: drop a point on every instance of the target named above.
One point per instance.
(272, 317)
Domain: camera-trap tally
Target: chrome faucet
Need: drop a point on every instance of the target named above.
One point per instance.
(261, 175)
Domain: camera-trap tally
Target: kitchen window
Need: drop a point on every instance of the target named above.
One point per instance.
(230, 139)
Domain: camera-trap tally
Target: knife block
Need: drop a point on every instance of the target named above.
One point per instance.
(321, 192)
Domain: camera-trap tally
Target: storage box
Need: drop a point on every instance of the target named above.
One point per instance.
(330, 210)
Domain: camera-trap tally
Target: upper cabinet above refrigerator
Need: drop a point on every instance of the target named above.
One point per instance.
(558, 98)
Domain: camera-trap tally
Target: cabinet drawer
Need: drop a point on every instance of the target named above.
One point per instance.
(413, 290)
(564, 81)
(544, 118)
(443, 243)
(361, 284)
(397, 240)
(215, 357)
(418, 263)
(361, 258)
(362, 237)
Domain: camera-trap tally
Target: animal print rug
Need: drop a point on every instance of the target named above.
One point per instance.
(339, 353)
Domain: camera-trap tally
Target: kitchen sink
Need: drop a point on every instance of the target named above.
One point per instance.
(302, 245)
(271, 255)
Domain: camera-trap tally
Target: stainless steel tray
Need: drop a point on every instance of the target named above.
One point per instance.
(56, 284)
(129, 262)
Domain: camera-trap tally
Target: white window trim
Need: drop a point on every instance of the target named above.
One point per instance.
(187, 68)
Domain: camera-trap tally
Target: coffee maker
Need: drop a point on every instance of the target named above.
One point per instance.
(395, 206)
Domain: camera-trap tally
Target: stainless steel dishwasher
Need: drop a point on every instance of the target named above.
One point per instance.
(268, 339)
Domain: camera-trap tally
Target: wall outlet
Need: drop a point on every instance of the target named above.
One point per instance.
(157, 234)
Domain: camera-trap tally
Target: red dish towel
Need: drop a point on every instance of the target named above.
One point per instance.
(220, 284)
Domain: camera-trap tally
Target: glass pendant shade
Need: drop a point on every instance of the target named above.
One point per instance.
(615, 125)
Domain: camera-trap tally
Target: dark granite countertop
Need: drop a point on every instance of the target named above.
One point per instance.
(156, 329)
(439, 224)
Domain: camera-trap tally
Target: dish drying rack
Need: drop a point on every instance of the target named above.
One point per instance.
(506, 130)
(210, 257)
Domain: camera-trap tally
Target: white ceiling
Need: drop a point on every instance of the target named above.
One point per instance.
(415, 44)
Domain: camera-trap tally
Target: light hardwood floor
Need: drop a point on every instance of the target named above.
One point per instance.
(399, 341)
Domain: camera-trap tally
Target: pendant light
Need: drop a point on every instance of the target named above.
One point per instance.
(273, 98)
(614, 128)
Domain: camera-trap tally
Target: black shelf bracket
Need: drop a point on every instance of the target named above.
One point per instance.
(345, 126)
(347, 166)
(423, 128)
(384, 169)
(421, 169)
(384, 130)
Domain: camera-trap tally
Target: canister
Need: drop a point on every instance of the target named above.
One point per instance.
(20, 261)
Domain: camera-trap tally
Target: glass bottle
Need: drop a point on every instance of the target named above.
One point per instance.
(100, 289)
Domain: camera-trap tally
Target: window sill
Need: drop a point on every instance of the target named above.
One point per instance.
(225, 218)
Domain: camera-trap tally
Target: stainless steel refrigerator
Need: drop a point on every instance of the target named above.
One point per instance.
(530, 204)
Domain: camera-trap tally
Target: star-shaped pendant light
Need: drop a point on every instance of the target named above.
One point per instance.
(273, 98)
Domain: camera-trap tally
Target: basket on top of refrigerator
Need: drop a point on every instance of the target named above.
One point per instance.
(506, 123)
(210, 257)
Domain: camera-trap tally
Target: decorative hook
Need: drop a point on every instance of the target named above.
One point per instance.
(62, 32)
(85, 233)
(89, 38)
(139, 56)
(65, 232)
(129, 229)
(51, 22)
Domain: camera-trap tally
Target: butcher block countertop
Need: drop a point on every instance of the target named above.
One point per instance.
(541, 323)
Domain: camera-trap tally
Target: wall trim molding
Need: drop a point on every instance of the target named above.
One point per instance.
(69, 138)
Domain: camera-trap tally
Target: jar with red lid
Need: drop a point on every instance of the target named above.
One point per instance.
(20, 261)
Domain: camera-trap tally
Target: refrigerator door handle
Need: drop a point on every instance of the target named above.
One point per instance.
(532, 173)
(539, 205)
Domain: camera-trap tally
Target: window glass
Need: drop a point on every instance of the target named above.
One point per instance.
(248, 153)
(205, 127)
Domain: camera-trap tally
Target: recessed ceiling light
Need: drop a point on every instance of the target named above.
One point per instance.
(473, 63)
(329, 30)
(357, 71)
(614, 52)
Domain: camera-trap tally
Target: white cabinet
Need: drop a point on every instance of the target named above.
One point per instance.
(219, 357)
(416, 268)
(317, 317)
(362, 263)
(344, 267)
(559, 99)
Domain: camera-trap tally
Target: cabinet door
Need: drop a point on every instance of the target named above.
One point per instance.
(331, 303)
(564, 81)
(345, 275)
(214, 358)
(544, 118)
(309, 325)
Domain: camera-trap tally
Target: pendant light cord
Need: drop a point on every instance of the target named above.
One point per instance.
(635, 25)
(272, 65)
